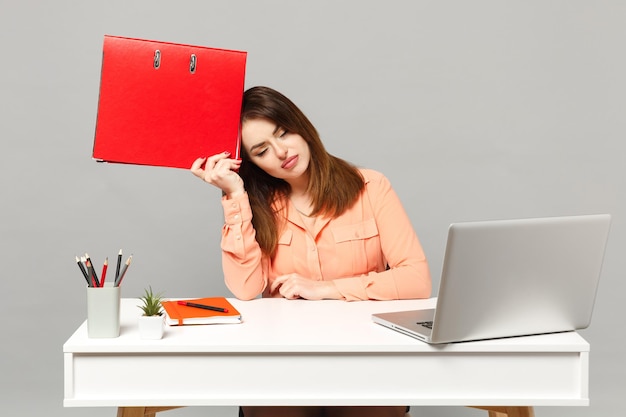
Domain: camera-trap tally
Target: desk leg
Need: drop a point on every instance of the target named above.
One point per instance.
(141, 411)
(509, 411)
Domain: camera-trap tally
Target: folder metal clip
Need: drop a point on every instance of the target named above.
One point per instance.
(157, 59)
(192, 63)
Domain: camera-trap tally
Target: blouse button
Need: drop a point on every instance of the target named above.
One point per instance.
(236, 217)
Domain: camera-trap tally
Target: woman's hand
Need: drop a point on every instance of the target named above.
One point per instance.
(219, 170)
(293, 286)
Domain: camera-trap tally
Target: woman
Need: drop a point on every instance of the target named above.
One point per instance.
(301, 223)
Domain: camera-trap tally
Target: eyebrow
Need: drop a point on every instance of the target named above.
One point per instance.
(260, 144)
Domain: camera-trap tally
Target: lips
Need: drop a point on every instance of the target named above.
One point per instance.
(290, 162)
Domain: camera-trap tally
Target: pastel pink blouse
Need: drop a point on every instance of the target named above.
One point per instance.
(369, 252)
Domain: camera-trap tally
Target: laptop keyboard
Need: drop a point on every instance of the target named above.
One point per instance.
(427, 324)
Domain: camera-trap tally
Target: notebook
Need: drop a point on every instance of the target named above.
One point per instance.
(508, 278)
(179, 315)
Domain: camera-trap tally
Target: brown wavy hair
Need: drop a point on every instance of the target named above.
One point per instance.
(334, 184)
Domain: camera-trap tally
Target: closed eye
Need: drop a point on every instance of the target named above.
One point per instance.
(259, 148)
(282, 133)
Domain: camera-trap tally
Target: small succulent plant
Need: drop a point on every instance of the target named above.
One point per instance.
(151, 303)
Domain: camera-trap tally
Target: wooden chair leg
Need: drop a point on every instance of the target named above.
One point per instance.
(141, 411)
(493, 413)
(131, 411)
(509, 411)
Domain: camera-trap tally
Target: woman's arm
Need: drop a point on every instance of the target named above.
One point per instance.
(242, 259)
(241, 254)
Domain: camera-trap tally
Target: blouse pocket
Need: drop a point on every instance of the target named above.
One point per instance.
(358, 248)
(363, 230)
(283, 262)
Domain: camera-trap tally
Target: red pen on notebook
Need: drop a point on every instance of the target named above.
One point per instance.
(188, 304)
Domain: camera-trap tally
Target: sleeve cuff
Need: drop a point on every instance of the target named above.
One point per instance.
(236, 210)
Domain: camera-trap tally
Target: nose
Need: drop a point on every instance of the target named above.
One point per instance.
(281, 151)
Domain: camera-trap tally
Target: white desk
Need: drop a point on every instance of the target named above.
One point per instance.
(318, 353)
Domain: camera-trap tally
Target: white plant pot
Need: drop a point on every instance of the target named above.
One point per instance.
(151, 327)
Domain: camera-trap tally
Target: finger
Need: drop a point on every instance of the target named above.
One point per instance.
(289, 292)
(278, 282)
(290, 288)
(213, 159)
(229, 164)
(196, 167)
(222, 175)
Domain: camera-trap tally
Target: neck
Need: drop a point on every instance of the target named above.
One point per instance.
(299, 186)
(301, 202)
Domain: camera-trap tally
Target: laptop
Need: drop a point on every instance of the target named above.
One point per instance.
(505, 278)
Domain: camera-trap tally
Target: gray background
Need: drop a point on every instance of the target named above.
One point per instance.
(475, 110)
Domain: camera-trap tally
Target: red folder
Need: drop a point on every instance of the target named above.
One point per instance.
(167, 104)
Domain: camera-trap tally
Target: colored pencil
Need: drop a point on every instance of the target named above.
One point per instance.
(93, 270)
(119, 264)
(124, 269)
(92, 282)
(83, 270)
(105, 266)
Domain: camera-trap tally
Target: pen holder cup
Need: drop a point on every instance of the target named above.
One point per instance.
(103, 311)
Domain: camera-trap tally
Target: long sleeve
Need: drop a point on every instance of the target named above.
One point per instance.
(242, 260)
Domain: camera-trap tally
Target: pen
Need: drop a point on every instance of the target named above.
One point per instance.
(82, 269)
(119, 263)
(124, 269)
(105, 266)
(188, 304)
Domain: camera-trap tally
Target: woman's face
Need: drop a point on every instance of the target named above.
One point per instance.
(279, 153)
